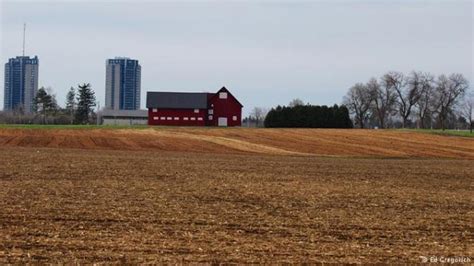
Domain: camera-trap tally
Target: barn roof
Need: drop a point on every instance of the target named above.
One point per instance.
(178, 100)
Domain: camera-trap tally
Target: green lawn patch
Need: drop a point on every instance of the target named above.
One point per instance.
(447, 132)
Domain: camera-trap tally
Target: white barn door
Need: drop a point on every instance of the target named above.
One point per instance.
(222, 121)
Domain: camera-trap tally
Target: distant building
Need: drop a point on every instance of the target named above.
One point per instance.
(194, 109)
(21, 83)
(122, 84)
(123, 117)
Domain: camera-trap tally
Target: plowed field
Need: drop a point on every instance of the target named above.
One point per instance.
(242, 140)
(234, 196)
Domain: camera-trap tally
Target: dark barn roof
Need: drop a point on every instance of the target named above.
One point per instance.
(176, 100)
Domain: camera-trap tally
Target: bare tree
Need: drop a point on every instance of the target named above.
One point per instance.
(448, 91)
(259, 114)
(407, 90)
(424, 103)
(467, 110)
(296, 102)
(358, 101)
(383, 98)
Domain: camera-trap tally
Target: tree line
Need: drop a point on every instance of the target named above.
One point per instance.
(78, 109)
(298, 115)
(415, 100)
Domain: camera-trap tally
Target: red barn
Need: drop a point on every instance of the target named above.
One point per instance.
(194, 109)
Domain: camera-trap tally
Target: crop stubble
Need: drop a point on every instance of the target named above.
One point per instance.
(97, 205)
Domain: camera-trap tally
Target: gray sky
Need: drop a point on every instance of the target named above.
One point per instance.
(266, 53)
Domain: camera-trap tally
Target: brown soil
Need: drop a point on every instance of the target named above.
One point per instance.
(222, 196)
(328, 142)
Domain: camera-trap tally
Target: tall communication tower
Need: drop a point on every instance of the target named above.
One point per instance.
(24, 35)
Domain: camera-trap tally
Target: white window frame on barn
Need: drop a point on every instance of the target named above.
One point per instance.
(222, 95)
(169, 118)
(185, 118)
(163, 118)
(196, 111)
(155, 118)
(155, 110)
(234, 118)
(210, 117)
(176, 118)
(193, 118)
(211, 111)
(199, 118)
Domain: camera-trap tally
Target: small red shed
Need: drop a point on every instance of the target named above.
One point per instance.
(194, 109)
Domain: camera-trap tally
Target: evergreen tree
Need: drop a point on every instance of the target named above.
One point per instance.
(85, 102)
(44, 103)
(71, 103)
(309, 116)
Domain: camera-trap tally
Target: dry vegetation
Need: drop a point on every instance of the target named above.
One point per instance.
(330, 142)
(234, 195)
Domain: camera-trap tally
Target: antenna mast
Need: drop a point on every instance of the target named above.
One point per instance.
(24, 32)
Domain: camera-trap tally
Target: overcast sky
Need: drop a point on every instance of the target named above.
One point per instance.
(266, 53)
